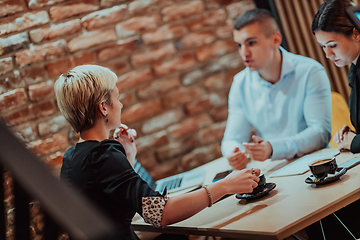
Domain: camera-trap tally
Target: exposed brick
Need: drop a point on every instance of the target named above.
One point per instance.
(190, 125)
(105, 17)
(219, 3)
(64, 65)
(141, 111)
(14, 43)
(210, 18)
(142, 6)
(147, 160)
(28, 20)
(225, 31)
(29, 113)
(166, 32)
(218, 81)
(110, 3)
(83, 58)
(163, 120)
(119, 67)
(181, 96)
(55, 160)
(231, 61)
(200, 73)
(200, 156)
(176, 149)
(166, 169)
(42, 3)
(13, 99)
(152, 54)
(52, 126)
(232, 72)
(196, 39)
(137, 24)
(219, 114)
(5, 83)
(205, 103)
(41, 91)
(6, 65)
(127, 99)
(181, 62)
(134, 78)
(28, 133)
(216, 49)
(157, 87)
(73, 8)
(178, 11)
(237, 8)
(8, 7)
(151, 141)
(214, 133)
(39, 53)
(32, 74)
(42, 147)
(122, 47)
(90, 39)
(55, 31)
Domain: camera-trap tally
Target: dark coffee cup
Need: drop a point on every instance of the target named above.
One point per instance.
(324, 166)
(261, 184)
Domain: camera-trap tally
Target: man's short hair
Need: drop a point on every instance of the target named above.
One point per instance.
(257, 15)
(80, 91)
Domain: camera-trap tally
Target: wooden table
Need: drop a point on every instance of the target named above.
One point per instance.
(290, 207)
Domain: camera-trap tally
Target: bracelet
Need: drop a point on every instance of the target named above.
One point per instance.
(209, 195)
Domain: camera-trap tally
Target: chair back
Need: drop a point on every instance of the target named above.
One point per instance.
(340, 115)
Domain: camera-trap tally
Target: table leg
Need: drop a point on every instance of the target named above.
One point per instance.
(343, 225)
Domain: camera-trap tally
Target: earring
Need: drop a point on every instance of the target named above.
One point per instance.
(106, 119)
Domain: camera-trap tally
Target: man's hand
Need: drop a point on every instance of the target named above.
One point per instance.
(260, 150)
(237, 159)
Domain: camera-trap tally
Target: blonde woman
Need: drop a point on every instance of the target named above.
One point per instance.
(101, 168)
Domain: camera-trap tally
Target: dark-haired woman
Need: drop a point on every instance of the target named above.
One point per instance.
(340, 41)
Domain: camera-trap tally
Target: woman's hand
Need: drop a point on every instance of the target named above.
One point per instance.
(346, 140)
(126, 136)
(339, 136)
(243, 181)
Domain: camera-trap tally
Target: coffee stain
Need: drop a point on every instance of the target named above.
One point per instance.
(242, 215)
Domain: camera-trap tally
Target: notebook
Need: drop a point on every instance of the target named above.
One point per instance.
(300, 166)
(178, 182)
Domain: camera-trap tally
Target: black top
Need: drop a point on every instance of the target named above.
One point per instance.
(354, 104)
(101, 171)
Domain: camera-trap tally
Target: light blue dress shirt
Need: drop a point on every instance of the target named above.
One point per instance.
(294, 114)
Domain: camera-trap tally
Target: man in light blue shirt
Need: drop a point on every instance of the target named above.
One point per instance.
(285, 97)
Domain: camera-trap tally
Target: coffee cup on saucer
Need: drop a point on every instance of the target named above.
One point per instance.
(321, 167)
(261, 184)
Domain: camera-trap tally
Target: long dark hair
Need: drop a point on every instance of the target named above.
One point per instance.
(331, 17)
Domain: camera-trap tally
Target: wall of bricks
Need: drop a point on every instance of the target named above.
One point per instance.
(175, 60)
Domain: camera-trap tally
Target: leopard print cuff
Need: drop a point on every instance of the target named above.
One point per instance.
(153, 208)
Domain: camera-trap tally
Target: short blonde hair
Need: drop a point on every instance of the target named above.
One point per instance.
(80, 91)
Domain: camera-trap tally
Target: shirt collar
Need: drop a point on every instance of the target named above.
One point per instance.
(287, 66)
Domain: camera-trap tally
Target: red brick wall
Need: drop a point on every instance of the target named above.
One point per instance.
(175, 60)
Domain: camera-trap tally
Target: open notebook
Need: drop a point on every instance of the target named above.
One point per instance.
(174, 183)
(300, 166)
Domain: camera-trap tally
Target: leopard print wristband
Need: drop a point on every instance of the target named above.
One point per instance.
(153, 208)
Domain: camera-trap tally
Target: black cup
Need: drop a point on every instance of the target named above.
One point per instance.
(261, 184)
(322, 167)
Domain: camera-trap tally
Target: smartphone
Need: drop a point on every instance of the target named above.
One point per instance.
(221, 175)
(350, 163)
